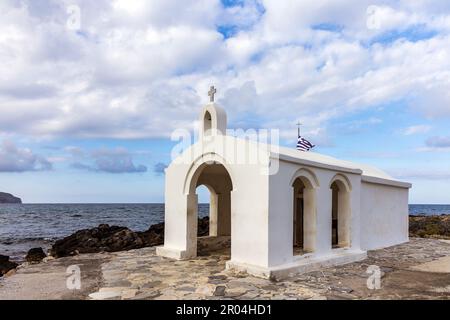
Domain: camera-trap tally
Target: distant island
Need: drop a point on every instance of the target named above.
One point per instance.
(9, 198)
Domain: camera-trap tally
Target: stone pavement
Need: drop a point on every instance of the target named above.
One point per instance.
(139, 274)
(415, 270)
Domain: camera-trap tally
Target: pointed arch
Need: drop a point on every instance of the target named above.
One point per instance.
(190, 181)
(308, 178)
(343, 180)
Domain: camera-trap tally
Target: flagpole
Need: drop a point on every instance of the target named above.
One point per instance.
(298, 130)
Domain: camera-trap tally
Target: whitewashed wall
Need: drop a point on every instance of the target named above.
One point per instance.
(249, 200)
(281, 211)
(384, 215)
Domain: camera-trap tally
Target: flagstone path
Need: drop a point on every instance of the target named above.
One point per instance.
(415, 270)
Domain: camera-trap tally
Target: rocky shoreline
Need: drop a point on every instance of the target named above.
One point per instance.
(105, 238)
(437, 227)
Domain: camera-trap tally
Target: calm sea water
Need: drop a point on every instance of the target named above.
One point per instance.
(25, 226)
(37, 225)
(429, 209)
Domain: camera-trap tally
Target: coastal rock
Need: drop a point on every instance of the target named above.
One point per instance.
(154, 236)
(107, 238)
(35, 255)
(203, 227)
(9, 198)
(430, 226)
(102, 238)
(6, 265)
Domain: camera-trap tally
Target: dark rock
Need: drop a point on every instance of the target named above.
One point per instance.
(107, 238)
(102, 238)
(341, 289)
(9, 198)
(203, 227)
(430, 226)
(187, 289)
(147, 295)
(154, 236)
(35, 255)
(6, 265)
(220, 291)
(121, 283)
(218, 277)
(151, 284)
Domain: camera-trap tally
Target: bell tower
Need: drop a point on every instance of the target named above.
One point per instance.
(213, 118)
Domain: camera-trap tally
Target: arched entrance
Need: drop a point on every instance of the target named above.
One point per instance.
(340, 212)
(215, 177)
(304, 215)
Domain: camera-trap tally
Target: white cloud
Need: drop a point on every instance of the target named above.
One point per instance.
(422, 128)
(141, 69)
(438, 142)
(117, 160)
(14, 159)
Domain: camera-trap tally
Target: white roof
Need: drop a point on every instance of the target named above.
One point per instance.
(369, 173)
(318, 158)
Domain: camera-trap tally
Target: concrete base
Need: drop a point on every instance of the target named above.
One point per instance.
(301, 264)
(204, 245)
(174, 253)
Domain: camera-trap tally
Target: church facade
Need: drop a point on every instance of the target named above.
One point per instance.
(286, 211)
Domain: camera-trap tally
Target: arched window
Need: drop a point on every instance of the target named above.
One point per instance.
(207, 123)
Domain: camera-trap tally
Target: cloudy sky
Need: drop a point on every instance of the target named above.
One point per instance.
(90, 91)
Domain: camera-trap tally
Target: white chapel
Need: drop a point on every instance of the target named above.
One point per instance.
(286, 211)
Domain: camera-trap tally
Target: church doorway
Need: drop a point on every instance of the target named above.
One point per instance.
(303, 217)
(334, 215)
(214, 233)
(340, 214)
(298, 217)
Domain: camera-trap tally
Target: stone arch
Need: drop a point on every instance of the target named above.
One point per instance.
(304, 184)
(342, 179)
(195, 170)
(341, 211)
(211, 171)
(307, 176)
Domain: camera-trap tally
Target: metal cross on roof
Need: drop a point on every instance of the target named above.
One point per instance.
(211, 93)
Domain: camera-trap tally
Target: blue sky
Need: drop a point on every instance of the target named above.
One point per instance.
(89, 96)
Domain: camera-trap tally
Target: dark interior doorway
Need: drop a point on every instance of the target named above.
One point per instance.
(334, 216)
(299, 209)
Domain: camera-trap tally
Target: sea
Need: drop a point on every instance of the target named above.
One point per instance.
(26, 226)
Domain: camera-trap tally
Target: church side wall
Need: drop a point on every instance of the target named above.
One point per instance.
(384, 215)
(249, 216)
(281, 212)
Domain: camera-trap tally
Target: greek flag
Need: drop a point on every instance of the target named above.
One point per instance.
(303, 144)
